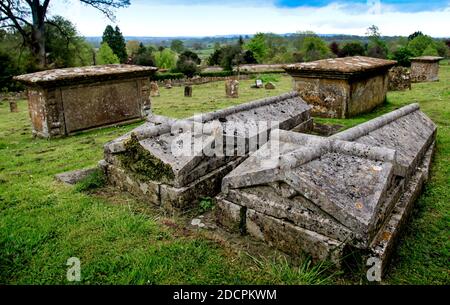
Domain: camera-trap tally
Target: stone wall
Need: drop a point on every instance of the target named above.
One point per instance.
(199, 80)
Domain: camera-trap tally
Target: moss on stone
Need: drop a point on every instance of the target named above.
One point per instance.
(143, 164)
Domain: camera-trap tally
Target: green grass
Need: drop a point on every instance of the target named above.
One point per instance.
(120, 240)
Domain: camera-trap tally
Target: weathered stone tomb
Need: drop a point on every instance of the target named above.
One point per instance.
(399, 79)
(173, 163)
(329, 197)
(425, 68)
(64, 101)
(342, 87)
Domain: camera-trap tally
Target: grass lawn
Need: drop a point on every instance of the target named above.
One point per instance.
(122, 241)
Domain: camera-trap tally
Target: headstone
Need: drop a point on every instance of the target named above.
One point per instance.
(154, 89)
(168, 84)
(258, 84)
(66, 101)
(270, 86)
(188, 91)
(342, 87)
(232, 88)
(13, 105)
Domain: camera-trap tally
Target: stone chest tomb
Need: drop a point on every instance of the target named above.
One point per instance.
(147, 161)
(425, 68)
(342, 87)
(64, 101)
(329, 197)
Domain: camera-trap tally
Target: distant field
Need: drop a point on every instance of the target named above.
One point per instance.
(122, 241)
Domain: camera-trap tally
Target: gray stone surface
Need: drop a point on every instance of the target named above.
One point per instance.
(73, 177)
(149, 154)
(351, 190)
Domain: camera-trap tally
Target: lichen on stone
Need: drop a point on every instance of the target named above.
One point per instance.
(143, 164)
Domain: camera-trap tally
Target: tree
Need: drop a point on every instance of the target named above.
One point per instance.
(414, 35)
(376, 47)
(430, 51)
(403, 56)
(188, 63)
(314, 48)
(106, 55)
(418, 45)
(29, 18)
(334, 47)
(143, 56)
(353, 48)
(114, 38)
(258, 46)
(165, 59)
(132, 47)
(177, 45)
(64, 47)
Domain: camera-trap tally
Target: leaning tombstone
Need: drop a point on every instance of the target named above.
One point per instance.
(188, 91)
(154, 89)
(232, 88)
(270, 86)
(64, 101)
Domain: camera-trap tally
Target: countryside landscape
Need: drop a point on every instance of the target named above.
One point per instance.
(88, 175)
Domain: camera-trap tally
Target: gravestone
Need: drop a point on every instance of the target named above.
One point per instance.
(168, 84)
(188, 91)
(399, 79)
(154, 89)
(328, 197)
(174, 163)
(270, 86)
(258, 84)
(232, 88)
(342, 87)
(13, 105)
(65, 101)
(425, 68)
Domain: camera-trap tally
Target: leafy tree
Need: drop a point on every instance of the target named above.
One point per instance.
(143, 56)
(249, 57)
(418, 45)
(132, 47)
(28, 18)
(64, 47)
(334, 48)
(165, 59)
(430, 51)
(414, 35)
(314, 48)
(353, 48)
(177, 46)
(403, 56)
(106, 55)
(442, 48)
(114, 38)
(188, 63)
(376, 47)
(258, 46)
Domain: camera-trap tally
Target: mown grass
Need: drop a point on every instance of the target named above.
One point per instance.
(122, 241)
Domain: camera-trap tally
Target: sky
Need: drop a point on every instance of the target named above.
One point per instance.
(224, 17)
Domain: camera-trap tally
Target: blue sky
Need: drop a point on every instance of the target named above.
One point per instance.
(220, 17)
